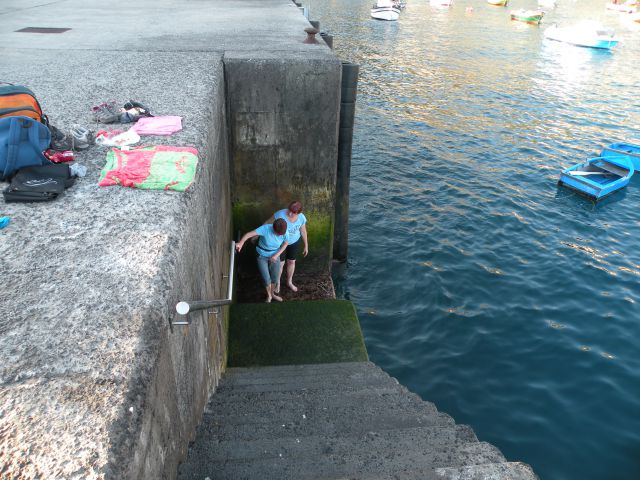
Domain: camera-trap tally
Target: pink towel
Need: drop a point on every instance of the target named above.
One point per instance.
(158, 125)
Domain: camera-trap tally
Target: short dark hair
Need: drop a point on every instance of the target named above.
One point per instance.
(295, 206)
(280, 226)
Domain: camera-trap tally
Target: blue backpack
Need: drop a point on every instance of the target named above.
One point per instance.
(22, 141)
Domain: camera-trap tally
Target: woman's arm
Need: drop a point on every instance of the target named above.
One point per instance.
(245, 237)
(282, 248)
(303, 233)
(271, 219)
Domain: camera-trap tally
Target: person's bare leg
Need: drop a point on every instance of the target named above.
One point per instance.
(277, 289)
(291, 267)
(268, 288)
(273, 293)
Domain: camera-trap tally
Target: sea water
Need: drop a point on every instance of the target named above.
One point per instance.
(512, 304)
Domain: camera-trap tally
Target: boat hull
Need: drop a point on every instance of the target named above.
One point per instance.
(498, 3)
(622, 8)
(441, 3)
(531, 17)
(389, 14)
(627, 150)
(601, 183)
(581, 39)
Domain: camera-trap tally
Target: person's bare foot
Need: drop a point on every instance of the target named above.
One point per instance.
(276, 288)
(268, 300)
(277, 298)
(292, 287)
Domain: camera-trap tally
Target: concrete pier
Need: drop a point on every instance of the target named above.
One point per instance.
(94, 383)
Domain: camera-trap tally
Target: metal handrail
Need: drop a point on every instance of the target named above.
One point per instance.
(184, 307)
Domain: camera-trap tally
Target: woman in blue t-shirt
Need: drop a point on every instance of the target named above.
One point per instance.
(272, 242)
(297, 229)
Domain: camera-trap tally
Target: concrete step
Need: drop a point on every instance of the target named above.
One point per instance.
(308, 380)
(277, 413)
(251, 399)
(304, 402)
(423, 439)
(353, 422)
(490, 471)
(344, 464)
(310, 369)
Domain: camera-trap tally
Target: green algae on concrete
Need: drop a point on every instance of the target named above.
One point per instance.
(294, 333)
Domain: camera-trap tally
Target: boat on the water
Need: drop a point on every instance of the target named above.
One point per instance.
(547, 3)
(498, 3)
(527, 16)
(627, 150)
(441, 3)
(591, 35)
(399, 4)
(626, 7)
(598, 177)
(385, 10)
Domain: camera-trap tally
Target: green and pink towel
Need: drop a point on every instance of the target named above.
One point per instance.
(158, 167)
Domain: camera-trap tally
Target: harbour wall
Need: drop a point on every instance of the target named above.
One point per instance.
(97, 383)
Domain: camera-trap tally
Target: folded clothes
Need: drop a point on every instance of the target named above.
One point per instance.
(165, 125)
(123, 139)
(159, 167)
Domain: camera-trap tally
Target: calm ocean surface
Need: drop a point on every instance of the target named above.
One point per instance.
(510, 303)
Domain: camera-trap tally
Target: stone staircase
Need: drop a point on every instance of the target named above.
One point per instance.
(334, 421)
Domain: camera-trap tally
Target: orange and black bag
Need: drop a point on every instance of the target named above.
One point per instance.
(16, 100)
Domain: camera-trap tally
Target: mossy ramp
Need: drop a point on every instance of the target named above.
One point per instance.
(294, 333)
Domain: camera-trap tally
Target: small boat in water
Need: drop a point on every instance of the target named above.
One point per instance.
(547, 3)
(627, 150)
(527, 16)
(441, 3)
(590, 35)
(627, 7)
(598, 177)
(498, 3)
(385, 10)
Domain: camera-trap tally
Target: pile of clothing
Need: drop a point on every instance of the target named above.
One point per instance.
(36, 156)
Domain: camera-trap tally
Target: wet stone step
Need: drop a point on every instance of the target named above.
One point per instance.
(344, 464)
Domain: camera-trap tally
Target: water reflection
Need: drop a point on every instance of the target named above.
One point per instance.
(480, 284)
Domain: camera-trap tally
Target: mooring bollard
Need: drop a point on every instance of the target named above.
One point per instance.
(311, 36)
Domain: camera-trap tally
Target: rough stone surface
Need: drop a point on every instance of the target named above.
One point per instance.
(334, 421)
(94, 384)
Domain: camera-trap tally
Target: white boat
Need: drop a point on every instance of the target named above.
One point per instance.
(441, 3)
(627, 7)
(547, 3)
(385, 10)
(591, 35)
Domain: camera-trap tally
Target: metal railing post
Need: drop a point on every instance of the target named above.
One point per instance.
(185, 307)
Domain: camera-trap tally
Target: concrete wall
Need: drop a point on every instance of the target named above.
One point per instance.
(283, 119)
(191, 358)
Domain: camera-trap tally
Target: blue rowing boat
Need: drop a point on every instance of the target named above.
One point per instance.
(628, 150)
(598, 177)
